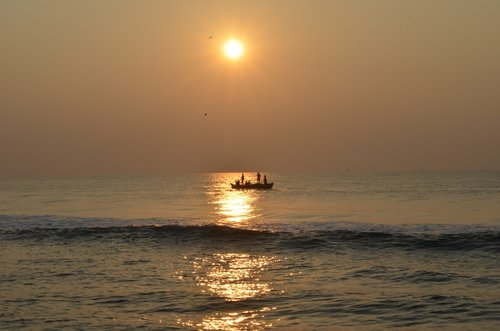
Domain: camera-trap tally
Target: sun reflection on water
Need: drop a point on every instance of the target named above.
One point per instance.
(234, 321)
(233, 277)
(236, 206)
(232, 207)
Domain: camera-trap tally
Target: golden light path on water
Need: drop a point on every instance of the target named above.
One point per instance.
(236, 276)
(236, 206)
(232, 207)
(233, 276)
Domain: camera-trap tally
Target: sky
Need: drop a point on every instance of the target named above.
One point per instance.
(122, 87)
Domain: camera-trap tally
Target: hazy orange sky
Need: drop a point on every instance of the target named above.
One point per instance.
(121, 87)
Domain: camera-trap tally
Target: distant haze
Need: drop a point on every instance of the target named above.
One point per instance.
(122, 87)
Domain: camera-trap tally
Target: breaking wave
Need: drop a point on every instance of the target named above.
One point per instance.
(308, 238)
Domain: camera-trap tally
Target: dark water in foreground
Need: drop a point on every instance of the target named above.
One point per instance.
(355, 255)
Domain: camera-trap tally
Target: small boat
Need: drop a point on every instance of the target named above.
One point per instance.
(252, 186)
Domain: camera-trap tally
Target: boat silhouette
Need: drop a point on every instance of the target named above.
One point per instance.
(252, 186)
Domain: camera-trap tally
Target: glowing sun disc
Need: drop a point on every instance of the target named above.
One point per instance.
(233, 49)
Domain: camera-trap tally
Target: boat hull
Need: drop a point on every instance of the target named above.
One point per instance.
(254, 186)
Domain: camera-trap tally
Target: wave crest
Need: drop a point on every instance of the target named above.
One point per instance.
(305, 240)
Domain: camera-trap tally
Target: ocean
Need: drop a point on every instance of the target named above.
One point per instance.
(346, 251)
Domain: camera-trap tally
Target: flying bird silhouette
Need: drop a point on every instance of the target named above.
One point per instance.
(210, 37)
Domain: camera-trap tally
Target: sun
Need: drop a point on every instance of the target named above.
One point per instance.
(233, 49)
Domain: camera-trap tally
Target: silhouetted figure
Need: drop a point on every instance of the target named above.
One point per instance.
(265, 179)
(258, 177)
(237, 182)
(242, 179)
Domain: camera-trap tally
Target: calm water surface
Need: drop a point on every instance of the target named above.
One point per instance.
(346, 251)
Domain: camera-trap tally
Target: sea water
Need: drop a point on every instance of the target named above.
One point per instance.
(339, 251)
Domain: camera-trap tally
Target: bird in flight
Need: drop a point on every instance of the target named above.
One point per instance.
(210, 37)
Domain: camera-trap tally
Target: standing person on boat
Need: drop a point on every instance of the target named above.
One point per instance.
(242, 179)
(258, 177)
(265, 179)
